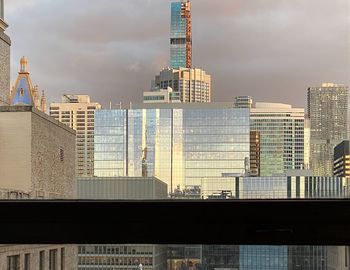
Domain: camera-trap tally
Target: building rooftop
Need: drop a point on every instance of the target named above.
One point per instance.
(37, 112)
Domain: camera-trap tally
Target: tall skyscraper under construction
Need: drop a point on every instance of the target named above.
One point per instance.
(181, 35)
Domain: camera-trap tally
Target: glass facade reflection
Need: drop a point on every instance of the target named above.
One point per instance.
(283, 138)
(180, 35)
(180, 146)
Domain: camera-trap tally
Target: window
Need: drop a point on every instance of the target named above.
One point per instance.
(63, 258)
(61, 154)
(27, 261)
(53, 259)
(13, 262)
(42, 260)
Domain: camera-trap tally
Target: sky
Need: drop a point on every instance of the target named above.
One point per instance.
(272, 50)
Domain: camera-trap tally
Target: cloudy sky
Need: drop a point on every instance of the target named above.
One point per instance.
(111, 49)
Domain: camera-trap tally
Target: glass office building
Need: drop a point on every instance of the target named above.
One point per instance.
(181, 144)
(283, 137)
(181, 35)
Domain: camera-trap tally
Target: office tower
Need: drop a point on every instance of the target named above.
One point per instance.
(293, 184)
(328, 113)
(181, 144)
(181, 35)
(151, 257)
(78, 112)
(36, 162)
(254, 153)
(5, 44)
(243, 102)
(24, 92)
(341, 164)
(157, 95)
(192, 84)
(282, 136)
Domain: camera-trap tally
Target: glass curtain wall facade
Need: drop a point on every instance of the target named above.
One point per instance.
(181, 35)
(282, 137)
(180, 146)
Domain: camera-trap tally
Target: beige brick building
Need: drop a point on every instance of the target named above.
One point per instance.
(37, 161)
(5, 44)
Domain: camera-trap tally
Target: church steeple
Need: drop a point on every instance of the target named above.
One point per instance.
(24, 93)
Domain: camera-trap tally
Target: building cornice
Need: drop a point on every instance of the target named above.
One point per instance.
(3, 24)
(3, 36)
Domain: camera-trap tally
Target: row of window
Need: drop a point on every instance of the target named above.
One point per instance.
(14, 261)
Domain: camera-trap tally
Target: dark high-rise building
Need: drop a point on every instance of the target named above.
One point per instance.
(181, 35)
(341, 165)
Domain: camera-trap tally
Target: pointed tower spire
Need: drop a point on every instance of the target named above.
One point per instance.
(43, 102)
(24, 65)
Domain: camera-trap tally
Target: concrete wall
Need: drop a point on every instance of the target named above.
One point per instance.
(49, 173)
(121, 188)
(15, 149)
(4, 67)
(70, 255)
(30, 154)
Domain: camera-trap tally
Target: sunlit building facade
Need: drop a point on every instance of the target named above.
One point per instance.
(328, 113)
(192, 84)
(24, 93)
(181, 144)
(181, 34)
(78, 112)
(282, 131)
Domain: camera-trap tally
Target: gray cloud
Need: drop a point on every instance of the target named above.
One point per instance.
(111, 49)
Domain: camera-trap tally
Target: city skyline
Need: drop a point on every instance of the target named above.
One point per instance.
(247, 41)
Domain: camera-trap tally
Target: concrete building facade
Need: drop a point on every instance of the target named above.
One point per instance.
(5, 44)
(121, 188)
(78, 113)
(192, 84)
(37, 156)
(37, 161)
(328, 113)
(157, 95)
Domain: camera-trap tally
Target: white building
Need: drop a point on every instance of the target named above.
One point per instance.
(156, 95)
(78, 112)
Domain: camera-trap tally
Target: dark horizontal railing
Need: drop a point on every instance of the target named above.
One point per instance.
(234, 222)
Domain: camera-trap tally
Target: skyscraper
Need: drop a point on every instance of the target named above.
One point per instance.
(193, 85)
(5, 44)
(78, 112)
(328, 113)
(181, 35)
(282, 137)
